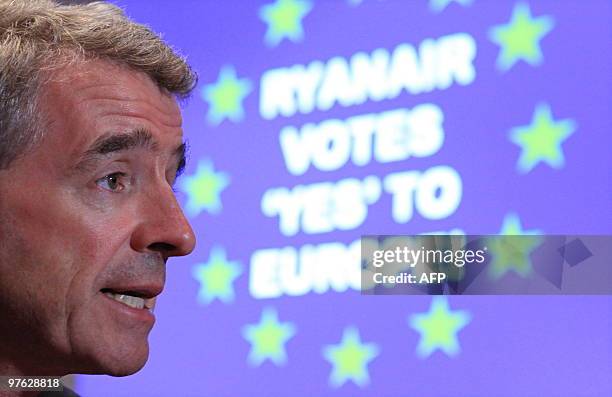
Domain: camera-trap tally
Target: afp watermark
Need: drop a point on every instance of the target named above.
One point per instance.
(485, 265)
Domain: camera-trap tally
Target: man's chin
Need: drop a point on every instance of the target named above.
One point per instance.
(118, 360)
(126, 370)
(116, 368)
(108, 343)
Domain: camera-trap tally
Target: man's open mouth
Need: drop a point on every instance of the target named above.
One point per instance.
(134, 299)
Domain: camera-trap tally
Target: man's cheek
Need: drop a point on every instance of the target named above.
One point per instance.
(110, 345)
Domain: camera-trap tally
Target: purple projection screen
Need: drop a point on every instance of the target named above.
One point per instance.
(316, 122)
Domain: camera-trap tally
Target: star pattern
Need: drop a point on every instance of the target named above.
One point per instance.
(217, 277)
(541, 140)
(512, 226)
(520, 38)
(350, 358)
(440, 5)
(225, 97)
(204, 189)
(439, 328)
(284, 20)
(268, 338)
(512, 253)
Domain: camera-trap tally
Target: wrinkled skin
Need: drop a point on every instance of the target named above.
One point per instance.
(67, 233)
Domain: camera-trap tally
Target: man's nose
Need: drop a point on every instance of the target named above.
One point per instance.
(163, 227)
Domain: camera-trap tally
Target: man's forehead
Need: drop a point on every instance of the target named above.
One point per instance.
(84, 103)
(102, 88)
(80, 81)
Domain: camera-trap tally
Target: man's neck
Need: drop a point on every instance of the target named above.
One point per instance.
(7, 393)
(7, 369)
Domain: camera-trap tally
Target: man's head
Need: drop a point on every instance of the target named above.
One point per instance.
(90, 146)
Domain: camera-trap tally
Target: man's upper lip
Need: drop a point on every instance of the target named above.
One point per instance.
(146, 291)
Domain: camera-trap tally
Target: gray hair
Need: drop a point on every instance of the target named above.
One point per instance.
(39, 36)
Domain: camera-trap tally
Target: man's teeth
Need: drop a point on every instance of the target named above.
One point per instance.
(131, 301)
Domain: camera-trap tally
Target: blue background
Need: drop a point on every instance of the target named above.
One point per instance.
(514, 345)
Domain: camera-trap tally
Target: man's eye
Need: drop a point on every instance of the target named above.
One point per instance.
(112, 182)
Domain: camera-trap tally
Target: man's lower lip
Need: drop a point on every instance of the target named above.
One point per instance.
(143, 315)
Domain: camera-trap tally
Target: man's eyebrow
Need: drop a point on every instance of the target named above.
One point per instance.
(139, 138)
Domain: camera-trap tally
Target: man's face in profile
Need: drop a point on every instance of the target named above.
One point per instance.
(88, 219)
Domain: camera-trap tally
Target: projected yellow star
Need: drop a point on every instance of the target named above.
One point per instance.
(520, 38)
(284, 19)
(204, 189)
(225, 96)
(512, 253)
(268, 338)
(541, 140)
(439, 328)
(512, 226)
(440, 5)
(350, 359)
(216, 277)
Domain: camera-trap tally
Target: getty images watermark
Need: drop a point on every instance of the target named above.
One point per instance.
(464, 264)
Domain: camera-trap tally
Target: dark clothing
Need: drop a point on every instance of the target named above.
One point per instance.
(67, 392)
